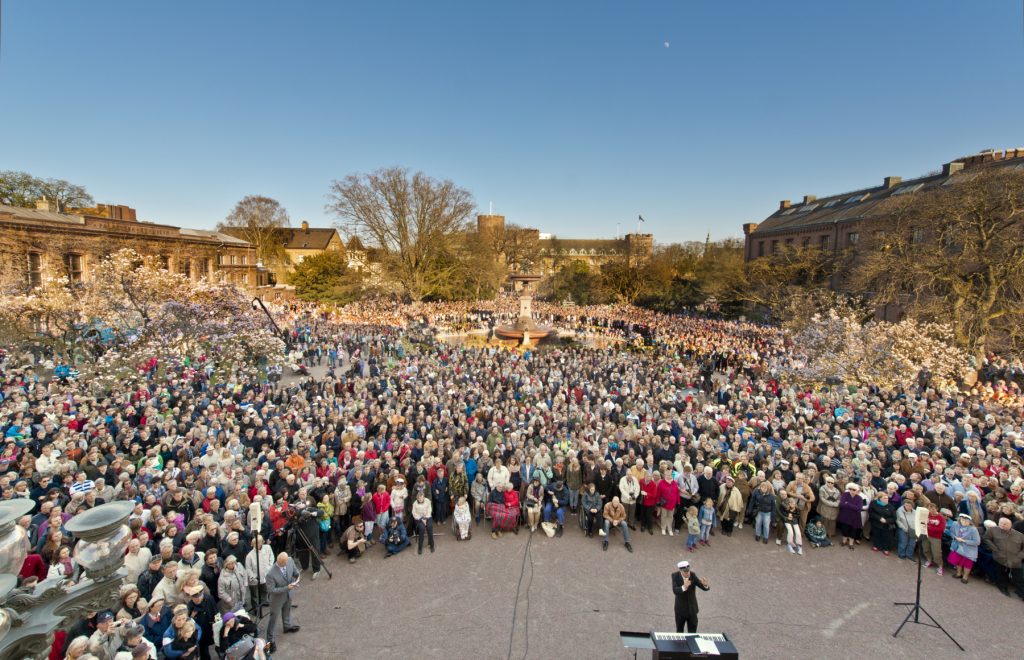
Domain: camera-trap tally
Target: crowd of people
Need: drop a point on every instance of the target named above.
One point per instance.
(241, 486)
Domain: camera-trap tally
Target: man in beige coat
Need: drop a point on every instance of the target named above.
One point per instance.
(615, 516)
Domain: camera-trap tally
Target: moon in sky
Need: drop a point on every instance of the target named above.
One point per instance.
(667, 44)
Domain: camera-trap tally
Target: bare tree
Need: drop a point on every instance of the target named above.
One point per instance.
(64, 194)
(624, 280)
(411, 219)
(261, 221)
(953, 254)
(520, 248)
(482, 270)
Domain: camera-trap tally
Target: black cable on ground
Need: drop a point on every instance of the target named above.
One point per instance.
(526, 636)
(515, 606)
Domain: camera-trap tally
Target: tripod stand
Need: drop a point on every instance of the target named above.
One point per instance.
(296, 531)
(915, 608)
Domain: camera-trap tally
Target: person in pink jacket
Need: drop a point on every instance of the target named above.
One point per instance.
(668, 500)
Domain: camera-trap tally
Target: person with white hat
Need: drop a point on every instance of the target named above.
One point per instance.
(964, 548)
(684, 585)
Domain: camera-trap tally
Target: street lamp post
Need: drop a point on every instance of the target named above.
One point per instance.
(29, 617)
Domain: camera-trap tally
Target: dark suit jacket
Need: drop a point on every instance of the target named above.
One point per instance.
(686, 600)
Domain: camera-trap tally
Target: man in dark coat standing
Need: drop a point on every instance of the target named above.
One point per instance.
(684, 585)
(203, 611)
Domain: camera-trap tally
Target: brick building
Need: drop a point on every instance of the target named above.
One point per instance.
(838, 222)
(40, 242)
(299, 243)
(594, 251)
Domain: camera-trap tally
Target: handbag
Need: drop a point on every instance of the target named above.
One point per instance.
(241, 650)
(325, 525)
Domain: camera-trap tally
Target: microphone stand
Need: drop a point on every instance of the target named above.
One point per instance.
(915, 608)
(256, 522)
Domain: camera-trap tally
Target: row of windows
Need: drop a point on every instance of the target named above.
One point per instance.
(232, 260)
(825, 241)
(74, 267)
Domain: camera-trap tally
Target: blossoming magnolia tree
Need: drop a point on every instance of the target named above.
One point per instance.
(837, 346)
(133, 315)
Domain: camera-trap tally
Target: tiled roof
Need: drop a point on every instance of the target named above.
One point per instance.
(857, 204)
(214, 235)
(583, 243)
(167, 231)
(309, 239)
(36, 214)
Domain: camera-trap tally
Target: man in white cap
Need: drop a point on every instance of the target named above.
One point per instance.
(684, 585)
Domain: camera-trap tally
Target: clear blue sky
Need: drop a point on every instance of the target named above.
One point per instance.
(569, 116)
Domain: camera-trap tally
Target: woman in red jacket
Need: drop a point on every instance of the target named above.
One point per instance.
(382, 507)
(512, 503)
(648, 501)
(668, 499)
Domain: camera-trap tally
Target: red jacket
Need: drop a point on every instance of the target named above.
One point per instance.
(668, 490)
(33, 565)
(936, 525)
(512, 498)
(381, 502)
(277, 518)
(650, 491)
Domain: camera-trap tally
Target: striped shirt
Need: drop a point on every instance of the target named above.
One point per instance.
(82, 487)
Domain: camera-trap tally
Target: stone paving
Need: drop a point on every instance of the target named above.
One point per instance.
(522, 597)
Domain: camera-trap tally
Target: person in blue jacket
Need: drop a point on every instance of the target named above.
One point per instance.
(397, 538)
(965, 540)
(179, 617)
(155, 621)
(558, 499)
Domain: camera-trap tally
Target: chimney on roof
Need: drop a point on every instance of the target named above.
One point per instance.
(949, 169)
(305, 225)
(116, 212)
(891, 182)
(809, 198)
(784, 204)
(43, 204)
(749, 228)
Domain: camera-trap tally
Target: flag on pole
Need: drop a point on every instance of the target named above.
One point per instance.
(641, 218)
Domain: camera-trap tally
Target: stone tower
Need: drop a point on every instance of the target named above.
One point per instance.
(490, 224)
(640, 247)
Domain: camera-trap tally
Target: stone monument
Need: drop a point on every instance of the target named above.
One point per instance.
(525, 329)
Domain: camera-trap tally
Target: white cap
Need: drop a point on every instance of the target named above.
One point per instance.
(683, 564)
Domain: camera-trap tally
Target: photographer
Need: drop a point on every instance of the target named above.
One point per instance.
(109, 635)
(397, 538)
(353, 541)
(306, 528)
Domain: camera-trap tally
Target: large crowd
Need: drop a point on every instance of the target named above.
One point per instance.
(690, 428)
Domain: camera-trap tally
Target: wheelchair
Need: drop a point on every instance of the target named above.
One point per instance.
(455, 529)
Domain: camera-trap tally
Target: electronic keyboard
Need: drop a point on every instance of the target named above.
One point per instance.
(683, 646)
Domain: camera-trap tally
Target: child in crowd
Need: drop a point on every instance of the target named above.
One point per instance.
(791, 520)
(692, 528)
(369, 517)
(707, 520)
(817, 534)
(186, 643)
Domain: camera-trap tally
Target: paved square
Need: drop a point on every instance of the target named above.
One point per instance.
(574, 599)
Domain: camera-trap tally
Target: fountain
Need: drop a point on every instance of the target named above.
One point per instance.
(525, 330)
